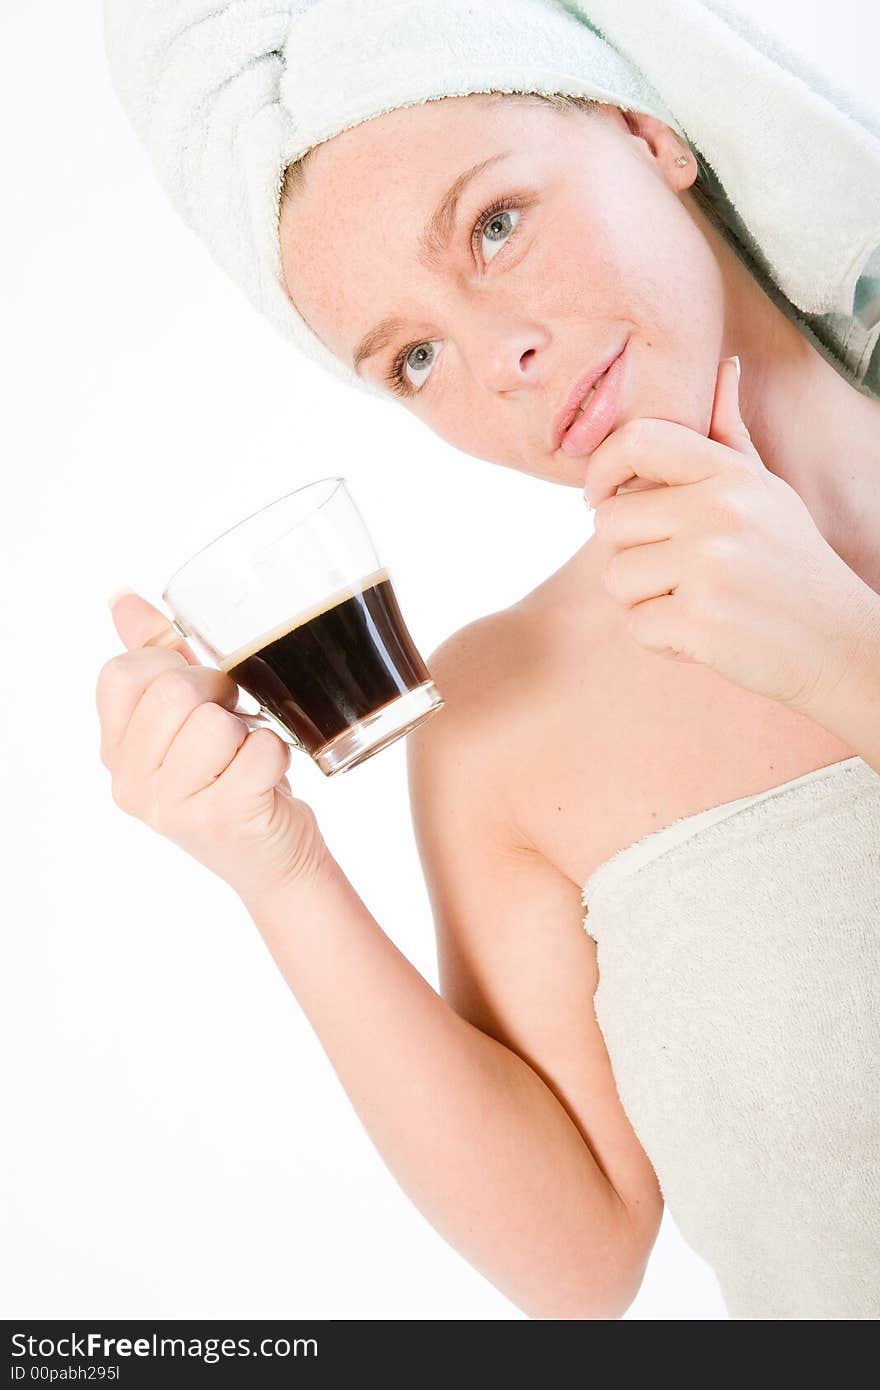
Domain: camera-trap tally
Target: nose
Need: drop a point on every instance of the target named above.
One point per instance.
(502, 354)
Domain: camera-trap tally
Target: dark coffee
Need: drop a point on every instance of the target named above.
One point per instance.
(326, 670)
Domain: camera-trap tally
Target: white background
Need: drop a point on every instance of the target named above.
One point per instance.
(177, 1144)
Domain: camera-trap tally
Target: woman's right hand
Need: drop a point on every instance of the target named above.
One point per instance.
(183, 763)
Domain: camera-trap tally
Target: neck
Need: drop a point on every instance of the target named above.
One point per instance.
(810, 426)
(822, 436)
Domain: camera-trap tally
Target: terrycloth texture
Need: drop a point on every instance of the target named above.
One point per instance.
(739, 999)
(849, 342)
(225, 93)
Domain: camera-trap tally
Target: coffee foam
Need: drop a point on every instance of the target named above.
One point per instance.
(257, 644)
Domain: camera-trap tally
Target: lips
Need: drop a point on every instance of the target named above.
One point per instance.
(575, 397)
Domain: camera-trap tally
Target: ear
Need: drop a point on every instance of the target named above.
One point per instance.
(665, 145)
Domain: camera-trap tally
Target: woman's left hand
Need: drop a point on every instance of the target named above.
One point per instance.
(724, 565)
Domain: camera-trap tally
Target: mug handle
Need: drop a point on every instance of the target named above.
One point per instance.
(174, 633)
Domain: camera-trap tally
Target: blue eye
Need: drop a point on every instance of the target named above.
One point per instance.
(496, 225)
(418, 358)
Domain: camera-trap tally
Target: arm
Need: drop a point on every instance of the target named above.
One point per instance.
(848, 702)
(474, 1133)
(470, 1132)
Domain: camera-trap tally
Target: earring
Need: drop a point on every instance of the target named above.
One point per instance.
(682, 159)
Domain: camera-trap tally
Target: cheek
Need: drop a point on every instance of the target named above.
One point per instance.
(631, 252)
(463, 421)
(580, 272)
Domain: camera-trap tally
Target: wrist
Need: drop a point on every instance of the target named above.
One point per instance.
(850, 685)
(296, 891)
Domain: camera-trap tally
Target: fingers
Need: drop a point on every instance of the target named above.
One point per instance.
(200, 752)
(184, 763)
(259, 764)
(143, 698)
(637, 485)
(165, 707)
(250, 771)
(136, 621)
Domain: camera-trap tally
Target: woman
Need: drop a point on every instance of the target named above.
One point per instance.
(496, 1103)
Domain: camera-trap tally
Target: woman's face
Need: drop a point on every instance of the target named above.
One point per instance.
(572, 239)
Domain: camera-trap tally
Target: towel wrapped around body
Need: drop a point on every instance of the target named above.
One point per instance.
(739, 1000)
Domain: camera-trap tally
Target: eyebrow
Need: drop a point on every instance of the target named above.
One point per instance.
(433, 243)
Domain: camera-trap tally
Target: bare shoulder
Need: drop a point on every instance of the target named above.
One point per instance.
(484, 659)
(486, 674)
(513, 956)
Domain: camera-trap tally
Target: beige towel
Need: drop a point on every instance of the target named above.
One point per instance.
(739, 999)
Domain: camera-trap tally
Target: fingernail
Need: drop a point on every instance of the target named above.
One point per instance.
(736, 363)
(117, 595)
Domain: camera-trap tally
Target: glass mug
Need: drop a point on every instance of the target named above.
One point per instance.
(294, 604)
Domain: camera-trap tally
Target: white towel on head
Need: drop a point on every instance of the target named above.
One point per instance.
(225, 93)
